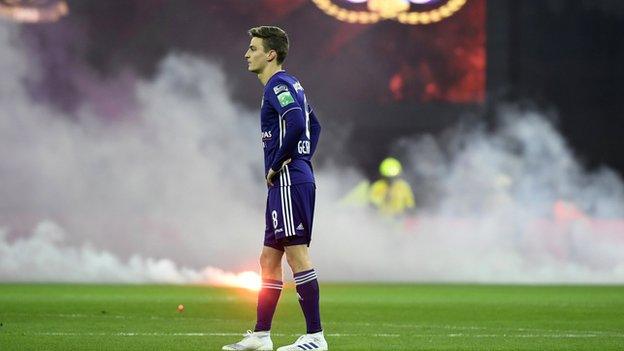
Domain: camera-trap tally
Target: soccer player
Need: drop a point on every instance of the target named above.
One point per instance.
(290, 134)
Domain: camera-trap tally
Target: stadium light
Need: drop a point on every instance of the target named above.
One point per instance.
(397, 10)
(28, 11)
(412, 1)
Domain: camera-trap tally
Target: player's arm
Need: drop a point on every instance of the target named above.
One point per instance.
(282, 98)
(315, 131)
(295, 128)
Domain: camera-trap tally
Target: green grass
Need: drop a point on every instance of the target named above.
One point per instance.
(355, 317)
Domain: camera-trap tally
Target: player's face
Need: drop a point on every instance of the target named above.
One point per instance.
(255, 56)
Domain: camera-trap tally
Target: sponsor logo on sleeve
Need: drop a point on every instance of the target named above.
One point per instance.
(285, 98)
(280, 88)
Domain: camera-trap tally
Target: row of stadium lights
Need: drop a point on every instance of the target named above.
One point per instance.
(412, 1)
(57, 9)
(415, 18)
(27, 11)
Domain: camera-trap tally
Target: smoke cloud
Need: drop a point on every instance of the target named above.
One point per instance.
(43, 257)
(173, 192)
(174, 179)
(509, 206)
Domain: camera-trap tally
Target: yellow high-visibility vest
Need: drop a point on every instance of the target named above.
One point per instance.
(391, 198)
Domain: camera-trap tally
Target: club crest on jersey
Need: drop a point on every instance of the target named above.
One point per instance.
(297, 86)
(280, 88)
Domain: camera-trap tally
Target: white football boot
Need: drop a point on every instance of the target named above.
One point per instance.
(314, 341)
(252, 341)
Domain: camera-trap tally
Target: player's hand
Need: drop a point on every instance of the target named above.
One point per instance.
(272, 173)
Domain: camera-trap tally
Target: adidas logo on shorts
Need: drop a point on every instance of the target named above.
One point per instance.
(300, 226)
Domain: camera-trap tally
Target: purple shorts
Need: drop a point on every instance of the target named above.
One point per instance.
(289, 215)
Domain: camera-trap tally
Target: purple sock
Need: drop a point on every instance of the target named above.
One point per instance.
(308, 291)
(267, 301)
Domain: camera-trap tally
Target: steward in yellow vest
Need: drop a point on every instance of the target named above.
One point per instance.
(391, 195)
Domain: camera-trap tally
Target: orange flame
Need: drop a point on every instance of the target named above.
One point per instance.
(246, 280)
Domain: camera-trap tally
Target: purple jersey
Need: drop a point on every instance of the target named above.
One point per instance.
(290, 130)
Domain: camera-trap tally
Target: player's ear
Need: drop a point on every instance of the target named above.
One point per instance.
(272, 55)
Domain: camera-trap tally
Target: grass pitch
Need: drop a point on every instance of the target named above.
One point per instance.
(355, 317)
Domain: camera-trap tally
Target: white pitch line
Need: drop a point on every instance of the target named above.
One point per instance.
(374, 335)
(536, 331)
(115, 316)
(554, 336)
(456, 327)
(198, 334)
(338, 335)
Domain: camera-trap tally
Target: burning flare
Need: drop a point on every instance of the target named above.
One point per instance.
(247, 280)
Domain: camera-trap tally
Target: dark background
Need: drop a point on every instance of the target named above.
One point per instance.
(566, 56)
(563, 57)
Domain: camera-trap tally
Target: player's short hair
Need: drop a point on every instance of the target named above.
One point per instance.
(273, 38)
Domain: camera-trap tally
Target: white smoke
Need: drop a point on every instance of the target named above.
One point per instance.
(506, 206)
(175, 180)
(42, 257)
(181, 181)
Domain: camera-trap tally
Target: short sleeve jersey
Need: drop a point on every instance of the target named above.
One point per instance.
(285, 98)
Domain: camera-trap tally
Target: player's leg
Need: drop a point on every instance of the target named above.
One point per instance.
(260, 338)
(298, 258)
(270, 262)
(307, 286)
(271, 265)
